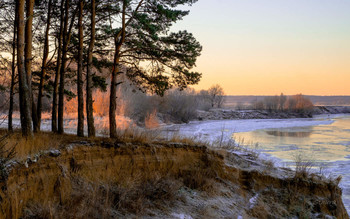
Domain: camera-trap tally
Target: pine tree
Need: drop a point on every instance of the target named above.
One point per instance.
(80, 131)
(24, 87)
(44, 64)
(89, 103)
(143, 38)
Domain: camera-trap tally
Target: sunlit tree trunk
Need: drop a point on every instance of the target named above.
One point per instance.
(89, 103)
(24, 90)
(80, 131)
(43, 66)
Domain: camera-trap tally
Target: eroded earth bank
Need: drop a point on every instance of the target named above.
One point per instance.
(106, 179)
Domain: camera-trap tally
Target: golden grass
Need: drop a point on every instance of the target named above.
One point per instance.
(98, 195)
(40, 142)
(108, 200)
(46, 140)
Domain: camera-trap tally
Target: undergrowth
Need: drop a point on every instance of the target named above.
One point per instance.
(108, 200)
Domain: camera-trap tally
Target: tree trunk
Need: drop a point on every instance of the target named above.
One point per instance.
(13, 70)
(43, 67)
(113, 97)
(66, 40)
(63, 66)
(80, 131)
(28, 58)
(24, 91)
(89, 103)
(58, 71)
(116, 66)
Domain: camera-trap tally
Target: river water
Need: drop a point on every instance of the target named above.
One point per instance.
(323, 140)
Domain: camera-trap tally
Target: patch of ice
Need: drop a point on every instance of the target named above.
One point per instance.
(213, 130)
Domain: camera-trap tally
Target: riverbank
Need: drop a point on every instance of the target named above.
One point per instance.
(228, 114)
(323, 140)
(136, 177)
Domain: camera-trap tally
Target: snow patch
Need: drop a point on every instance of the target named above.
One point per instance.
(253, 201)
(181, 216)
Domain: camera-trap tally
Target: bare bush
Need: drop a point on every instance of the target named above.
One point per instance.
(175, 106)
(204, 100)
(216, 94)
(181, 105)
(296, 103)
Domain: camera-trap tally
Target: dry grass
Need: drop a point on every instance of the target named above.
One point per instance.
(303, 166)
(269, 165)
(138, 135)
(41, 142)
(6, 154)
(108, 200)
(230, 143)
(47, 140)
(88, 195)
(85, 194)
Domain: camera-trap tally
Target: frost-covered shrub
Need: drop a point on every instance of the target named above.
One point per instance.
(181, 105)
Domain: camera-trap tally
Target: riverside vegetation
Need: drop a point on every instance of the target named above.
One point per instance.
(139, 175)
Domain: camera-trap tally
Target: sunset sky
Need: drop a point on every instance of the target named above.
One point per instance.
(255, 47)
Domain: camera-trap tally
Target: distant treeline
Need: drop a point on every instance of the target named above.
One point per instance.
(296, 103)
(244, 101)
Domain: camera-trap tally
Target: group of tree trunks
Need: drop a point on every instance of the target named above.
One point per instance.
(132, 37)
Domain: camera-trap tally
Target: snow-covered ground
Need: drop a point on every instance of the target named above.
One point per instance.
(323, 140)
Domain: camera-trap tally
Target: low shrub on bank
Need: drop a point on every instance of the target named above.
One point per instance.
(296, 103)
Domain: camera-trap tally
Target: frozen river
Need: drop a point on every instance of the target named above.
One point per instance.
(324, 140)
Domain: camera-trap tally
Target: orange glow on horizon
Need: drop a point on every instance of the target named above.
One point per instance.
(276, 73)
(267, 47)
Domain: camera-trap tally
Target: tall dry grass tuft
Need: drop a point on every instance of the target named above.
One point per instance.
(22, 147)
(138, 135)
(303, 166)
(6, 154)
(108, 200)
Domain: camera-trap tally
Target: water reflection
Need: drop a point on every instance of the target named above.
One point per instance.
(322, 144)
(279, 133)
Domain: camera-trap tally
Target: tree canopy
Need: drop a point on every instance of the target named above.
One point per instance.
(156, 58)
(65, 40)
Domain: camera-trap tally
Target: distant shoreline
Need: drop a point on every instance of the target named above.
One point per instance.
(231, 114)
(234, 101)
